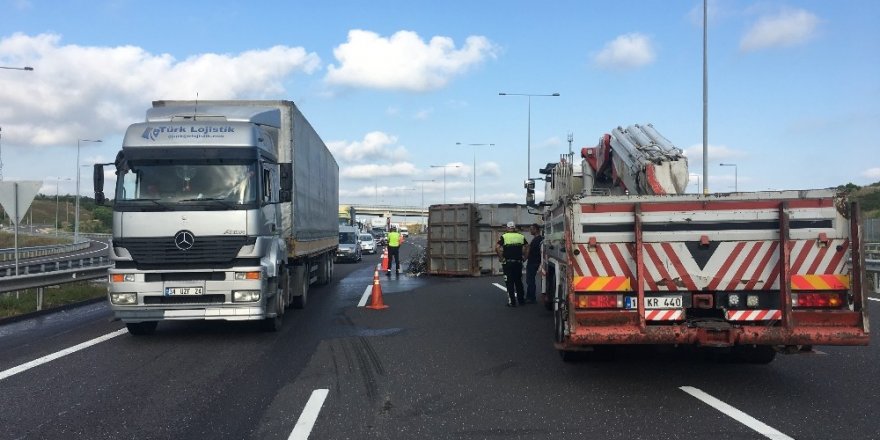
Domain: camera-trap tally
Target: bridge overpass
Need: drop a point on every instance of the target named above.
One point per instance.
(384, 210)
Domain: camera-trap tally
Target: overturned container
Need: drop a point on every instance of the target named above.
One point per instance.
(462, 237)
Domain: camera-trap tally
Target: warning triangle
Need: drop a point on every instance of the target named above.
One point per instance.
(702, 253)
(27, 190)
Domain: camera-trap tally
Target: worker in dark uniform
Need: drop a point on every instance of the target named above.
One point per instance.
(533, 262)
(394, 240)
(512, 248)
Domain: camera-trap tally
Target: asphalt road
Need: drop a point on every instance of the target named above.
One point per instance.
(445, 360)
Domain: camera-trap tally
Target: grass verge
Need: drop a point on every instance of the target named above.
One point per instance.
(25, 301)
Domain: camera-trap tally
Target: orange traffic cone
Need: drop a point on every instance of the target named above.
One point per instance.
(385, 260)
(376, 296)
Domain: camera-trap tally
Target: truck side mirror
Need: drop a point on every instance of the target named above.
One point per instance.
(98, 180)
(285, 171)
(530, 192)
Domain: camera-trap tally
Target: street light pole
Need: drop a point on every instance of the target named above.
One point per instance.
(57, 184)
(474, 197)
(422, 181)
(76, 211)
(735, 177)
(529, 141)
(444, 177)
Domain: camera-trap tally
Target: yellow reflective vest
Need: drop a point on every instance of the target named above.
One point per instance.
(394, 239)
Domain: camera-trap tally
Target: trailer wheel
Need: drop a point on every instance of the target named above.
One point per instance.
(141, 328)
(326, 270)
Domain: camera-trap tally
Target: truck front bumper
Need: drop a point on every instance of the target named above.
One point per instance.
(155, 303)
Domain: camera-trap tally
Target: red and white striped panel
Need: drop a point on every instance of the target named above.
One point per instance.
(735, 265)
(664, 315)
(753, 315)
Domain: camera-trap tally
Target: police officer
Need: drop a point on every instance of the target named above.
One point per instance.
(512, 248)
(394, 240)
(533, 262)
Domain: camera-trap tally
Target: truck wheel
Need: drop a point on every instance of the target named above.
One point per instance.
(301, 284)
(568, 355)
(141, 328)
(325, 270)
(284, 290)
(274, 324)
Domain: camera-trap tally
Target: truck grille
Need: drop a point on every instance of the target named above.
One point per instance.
(161, 251)
(187, 299)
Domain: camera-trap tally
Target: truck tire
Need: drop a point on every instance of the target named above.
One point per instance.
(325, 270)
(285, 289)
(277, 306)
(141, 328)
(300, 281)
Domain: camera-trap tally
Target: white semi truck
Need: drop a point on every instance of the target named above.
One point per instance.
(223, 210)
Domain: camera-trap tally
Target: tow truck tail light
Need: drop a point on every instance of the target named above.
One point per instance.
(816, 300)
(594, 301)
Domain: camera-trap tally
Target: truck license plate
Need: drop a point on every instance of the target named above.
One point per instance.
(655, 302)
(169, 291)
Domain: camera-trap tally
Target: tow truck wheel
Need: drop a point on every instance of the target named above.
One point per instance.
(141, 328)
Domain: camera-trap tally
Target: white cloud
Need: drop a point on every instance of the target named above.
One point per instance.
(423, 114)
(404, 61)
(375, 145)
(370, 171)
(89, 92)
(489, 169)
(787, 28)
(872, 173)
(626, 52)
(717, 153)
(553, 142)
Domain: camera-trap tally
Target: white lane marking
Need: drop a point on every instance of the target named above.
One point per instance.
(874, 299)
(736, 414)
(309, 415)
(51, 357)
(500, 287)
(367, 292)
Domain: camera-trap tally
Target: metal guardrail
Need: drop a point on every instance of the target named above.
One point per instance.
(53, 266)
(41, 251)
(33, 281)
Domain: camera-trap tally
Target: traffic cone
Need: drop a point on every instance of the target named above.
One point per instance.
(385, 260)
(376, 297)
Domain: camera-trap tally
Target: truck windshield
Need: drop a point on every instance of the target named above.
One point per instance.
(159, 185)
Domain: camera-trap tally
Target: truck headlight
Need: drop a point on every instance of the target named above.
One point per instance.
(245, 295)
(124, 299)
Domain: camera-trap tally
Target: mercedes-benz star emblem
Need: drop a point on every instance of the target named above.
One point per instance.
(184, 240)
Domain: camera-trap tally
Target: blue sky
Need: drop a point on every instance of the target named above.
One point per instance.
(392, 86)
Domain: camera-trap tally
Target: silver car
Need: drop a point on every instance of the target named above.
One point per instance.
(368, 244)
